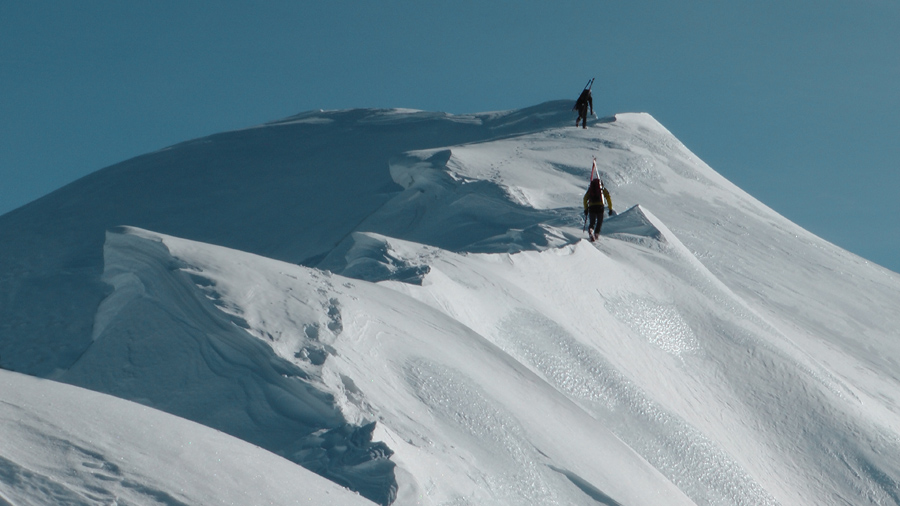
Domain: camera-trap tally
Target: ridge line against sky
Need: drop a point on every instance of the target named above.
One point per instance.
(794, 101)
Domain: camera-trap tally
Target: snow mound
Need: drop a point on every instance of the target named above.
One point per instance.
(305, 346)
(65, 445)
(374, 257)
(633, 225)
(222, 369)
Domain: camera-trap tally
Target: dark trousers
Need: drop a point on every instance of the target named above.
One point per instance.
(582, 116)
(595, 214)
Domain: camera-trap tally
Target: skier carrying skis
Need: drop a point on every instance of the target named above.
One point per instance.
(584, 101)
(594, 200)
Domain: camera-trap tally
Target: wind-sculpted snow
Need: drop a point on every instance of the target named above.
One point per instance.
(347, 456)
(173, 335)
(634, 226)
(290, 190)
(502, 445)
(451, 338)
(266, 309)
(65, 445)
(660, 324)
(697, 465)
(440, 208)
(371, 257)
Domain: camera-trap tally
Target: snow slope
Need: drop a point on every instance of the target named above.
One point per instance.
(65, 445)
(450, 338)
(288, 190)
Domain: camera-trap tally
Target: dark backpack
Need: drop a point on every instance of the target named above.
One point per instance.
(595, 191)
(582, 101)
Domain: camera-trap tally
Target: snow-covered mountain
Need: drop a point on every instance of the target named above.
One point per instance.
(404, 303)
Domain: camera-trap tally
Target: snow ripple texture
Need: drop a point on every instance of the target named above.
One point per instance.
(495, 436)
(660, 324)
(702, 470)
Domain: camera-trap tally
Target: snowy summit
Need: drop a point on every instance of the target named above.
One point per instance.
(402, 307)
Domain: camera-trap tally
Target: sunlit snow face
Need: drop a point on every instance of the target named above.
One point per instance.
(660, 324)
(684, 455)
(495, 435)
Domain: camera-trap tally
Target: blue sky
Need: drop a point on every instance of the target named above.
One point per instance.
(794, 101)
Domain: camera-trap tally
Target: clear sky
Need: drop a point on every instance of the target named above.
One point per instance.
(795, 101)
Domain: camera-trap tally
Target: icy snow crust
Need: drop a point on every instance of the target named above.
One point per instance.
(403, 303)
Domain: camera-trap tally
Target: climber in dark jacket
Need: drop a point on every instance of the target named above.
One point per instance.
(584, 101)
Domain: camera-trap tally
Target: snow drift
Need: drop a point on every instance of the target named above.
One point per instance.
(65, 445)
(402, 302)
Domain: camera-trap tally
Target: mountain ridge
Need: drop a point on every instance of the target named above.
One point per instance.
(251, 189)
(449, 319)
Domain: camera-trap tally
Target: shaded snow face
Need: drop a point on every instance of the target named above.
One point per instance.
(182, 332)
(61, 444)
